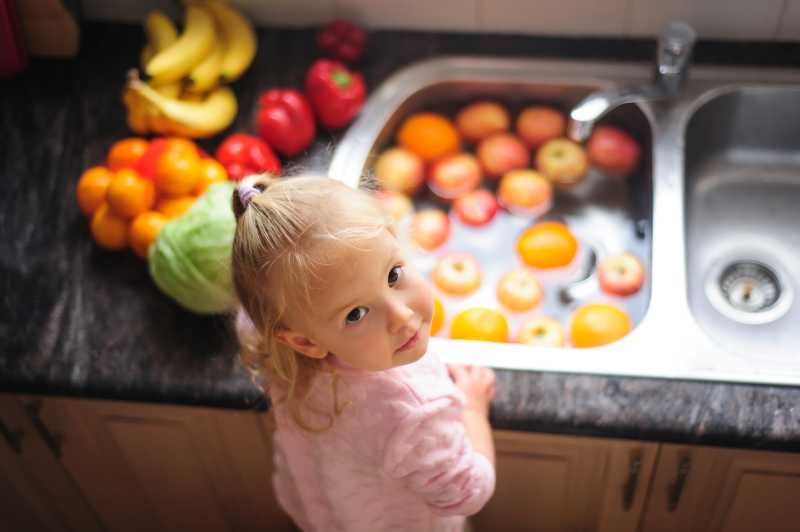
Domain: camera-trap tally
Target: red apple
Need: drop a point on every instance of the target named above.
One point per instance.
(620, 275)
(396, 205)
(563, 162)
(479, 120)
(455, 175)
(430, 228)
(501, 153)
(613, 151)
(400, 170)
(543, 331)
(457, 273)
(476, 208)
(538, 124)
(525, 192)
(519, 290)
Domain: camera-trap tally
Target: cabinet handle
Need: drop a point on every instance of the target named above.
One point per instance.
(53, 440)
(676, 489)
(629, 489)
(13, 437)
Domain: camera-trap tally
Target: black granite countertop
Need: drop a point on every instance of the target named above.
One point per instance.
(78, 321)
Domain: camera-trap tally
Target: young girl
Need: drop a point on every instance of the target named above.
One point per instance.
(372, 434)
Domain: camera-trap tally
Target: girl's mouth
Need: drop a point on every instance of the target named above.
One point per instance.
(411, 341)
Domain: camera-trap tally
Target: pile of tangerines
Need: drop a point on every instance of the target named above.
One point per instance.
(142, 185)
(521, 160)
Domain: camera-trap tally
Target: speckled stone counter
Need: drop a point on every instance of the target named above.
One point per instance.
(79, 321)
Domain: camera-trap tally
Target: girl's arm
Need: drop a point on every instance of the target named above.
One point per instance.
(478, 385)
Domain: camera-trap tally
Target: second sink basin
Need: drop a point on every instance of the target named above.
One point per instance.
(742, 197)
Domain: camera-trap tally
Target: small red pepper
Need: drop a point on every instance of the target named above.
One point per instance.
(342, 40)
(335, 93)
(242, 155)
(285, 120)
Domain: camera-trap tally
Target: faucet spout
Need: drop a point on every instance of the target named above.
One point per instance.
(672, 59)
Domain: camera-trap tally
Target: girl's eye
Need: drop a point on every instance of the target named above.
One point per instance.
(356, 315)
(395, 274)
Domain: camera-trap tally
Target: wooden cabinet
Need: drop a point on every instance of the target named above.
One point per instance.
(160, 468)
(37, 494)
(70, 465)
(706, 489)
(554, 483)
(559, 483)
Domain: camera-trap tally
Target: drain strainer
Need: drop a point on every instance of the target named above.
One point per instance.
(748, 291)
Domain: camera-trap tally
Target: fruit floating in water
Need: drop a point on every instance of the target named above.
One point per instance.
(541, 331)
(547, 245)
(479, 323)
(519, 290)
(598, 324)
(620, 275)
(457, 273)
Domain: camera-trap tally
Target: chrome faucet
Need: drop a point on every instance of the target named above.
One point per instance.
(672, 59)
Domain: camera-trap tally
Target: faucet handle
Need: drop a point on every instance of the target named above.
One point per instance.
(674, 51)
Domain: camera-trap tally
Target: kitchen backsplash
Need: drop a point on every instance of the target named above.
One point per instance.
(761, 20)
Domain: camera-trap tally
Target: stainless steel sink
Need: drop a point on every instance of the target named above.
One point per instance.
(726, 200)
(742, 197)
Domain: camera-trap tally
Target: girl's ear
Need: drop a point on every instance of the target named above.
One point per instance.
(300, 343)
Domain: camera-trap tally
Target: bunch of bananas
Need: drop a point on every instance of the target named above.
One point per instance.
(185, 93)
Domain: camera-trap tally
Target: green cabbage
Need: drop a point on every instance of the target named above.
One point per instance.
(190, 260)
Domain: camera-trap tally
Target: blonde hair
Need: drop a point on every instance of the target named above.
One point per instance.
(276, 259)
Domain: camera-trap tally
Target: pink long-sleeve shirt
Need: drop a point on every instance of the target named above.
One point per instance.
(397, 458)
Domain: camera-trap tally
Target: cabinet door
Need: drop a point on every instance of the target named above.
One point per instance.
(165, 468)
(36, 492)
(706, 489)
(556, 483)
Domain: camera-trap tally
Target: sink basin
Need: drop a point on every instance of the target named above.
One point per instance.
(742, 175)
(725, 202)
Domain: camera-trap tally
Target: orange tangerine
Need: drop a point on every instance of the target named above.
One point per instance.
(547, 245)
(598, 324)
(429, 135)
(126, 152)
(108, 230)
(128, 194)
(210, 172)
(174, 207)
(144, 229)
(438, 316)
(479, 323)
(91, 189)
(178, 171)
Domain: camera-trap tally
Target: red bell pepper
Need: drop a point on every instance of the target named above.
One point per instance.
(285, 120)
(335, 93)
(242, 155)
(342, 40)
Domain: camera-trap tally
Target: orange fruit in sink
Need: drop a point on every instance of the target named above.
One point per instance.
(598, 324)
(438, 316)
(547, 245)
(479, 323)
(429, 135)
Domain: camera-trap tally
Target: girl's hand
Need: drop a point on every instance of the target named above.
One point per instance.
(477, 383)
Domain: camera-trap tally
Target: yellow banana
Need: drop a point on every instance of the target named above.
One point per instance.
(194, 119)
(240, 39)
(206, 74)
(160, 31)
(192, 46)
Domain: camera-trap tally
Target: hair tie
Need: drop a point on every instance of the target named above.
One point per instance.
(247, 193)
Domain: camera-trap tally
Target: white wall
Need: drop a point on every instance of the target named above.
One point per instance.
(713, 19)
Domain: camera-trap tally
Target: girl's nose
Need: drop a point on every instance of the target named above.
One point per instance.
(399, 315)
